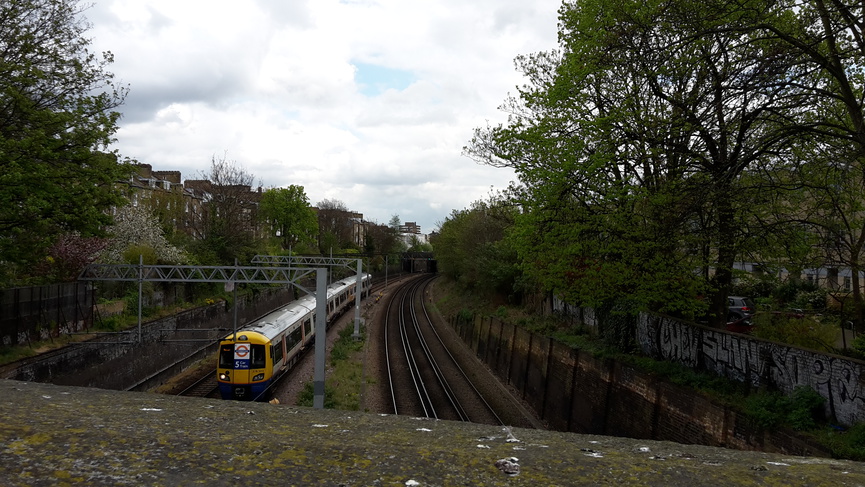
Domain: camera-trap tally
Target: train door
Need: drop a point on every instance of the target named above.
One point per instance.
(278, 352)
(307, 329)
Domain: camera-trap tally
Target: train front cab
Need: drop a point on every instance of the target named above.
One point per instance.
(243, 372)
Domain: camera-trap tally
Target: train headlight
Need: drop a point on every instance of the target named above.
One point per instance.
(258, 377)
(224, 377)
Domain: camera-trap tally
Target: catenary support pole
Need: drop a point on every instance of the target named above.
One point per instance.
(320, 337)
(357, 295)
(140, 291)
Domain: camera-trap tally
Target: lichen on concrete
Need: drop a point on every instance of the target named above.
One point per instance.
(56, 435)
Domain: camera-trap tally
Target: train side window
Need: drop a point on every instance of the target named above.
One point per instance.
(293, 338)
(307, 327)
(276, 352)
(259, 357)
(226, 356)
(296, 336)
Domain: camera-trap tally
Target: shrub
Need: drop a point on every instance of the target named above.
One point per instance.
(848, 444)
(813, 299)
(767, 409)
(858, 343)
(307, 396)
(806, 408)
(807, 332)
(801, 410)
(787, 292)
(346, 344)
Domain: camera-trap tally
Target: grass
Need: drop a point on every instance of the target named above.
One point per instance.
(345, 378)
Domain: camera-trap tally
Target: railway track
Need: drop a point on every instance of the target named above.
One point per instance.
(204, 387)
(425, 378)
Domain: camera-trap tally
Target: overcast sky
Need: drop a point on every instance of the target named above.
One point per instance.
(367, 102)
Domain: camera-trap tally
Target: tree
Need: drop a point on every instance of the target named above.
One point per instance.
(382, 239)
(416, 245)
(289, 215)
(57, 104)
(136, 230)
(829, 39)
(336, 226)
(395, 222)
(69, 255)
(636, 147)
(473, 247)
(230, 220)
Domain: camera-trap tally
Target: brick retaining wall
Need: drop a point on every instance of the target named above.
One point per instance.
(572, 390)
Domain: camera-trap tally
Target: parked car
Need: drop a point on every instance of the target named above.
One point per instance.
(740, 308)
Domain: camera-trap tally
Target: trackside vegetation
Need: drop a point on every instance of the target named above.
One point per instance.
(655, 152)
(801, 412)
(345, 377)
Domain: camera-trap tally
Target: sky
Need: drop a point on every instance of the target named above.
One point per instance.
(362, 101)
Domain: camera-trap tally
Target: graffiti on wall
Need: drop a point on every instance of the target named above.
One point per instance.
(758, 362)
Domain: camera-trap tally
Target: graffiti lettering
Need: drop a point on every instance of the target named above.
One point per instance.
(758, 362)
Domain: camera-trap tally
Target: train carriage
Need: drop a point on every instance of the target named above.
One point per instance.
(254, 356)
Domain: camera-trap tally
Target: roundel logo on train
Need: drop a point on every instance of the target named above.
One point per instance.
(241, 356)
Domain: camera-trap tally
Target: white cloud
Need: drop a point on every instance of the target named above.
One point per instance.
(369, 102)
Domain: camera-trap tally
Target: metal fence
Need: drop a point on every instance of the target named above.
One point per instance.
(44, 312)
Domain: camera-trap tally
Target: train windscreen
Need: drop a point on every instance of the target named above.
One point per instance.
(258, 359)
(226, 356)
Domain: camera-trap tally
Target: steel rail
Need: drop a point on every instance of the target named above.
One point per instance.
(420, 384)
(456, 363)
(427, 351)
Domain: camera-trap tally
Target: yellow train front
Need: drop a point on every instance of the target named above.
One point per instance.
(252, 358)
(245, 367)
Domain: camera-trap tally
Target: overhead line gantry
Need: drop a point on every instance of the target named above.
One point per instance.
(279, 274)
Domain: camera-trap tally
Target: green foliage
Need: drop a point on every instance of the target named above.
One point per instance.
(329, 244)
(344, 377)
(604, 218)
(288, 214)
(811, 300)
(10, 354)
(710, 384)
(806, 331)
(767, 409)
(806, 408)
(502, 312)
(140, 253)
(229, 232)
(758, 289)
(858, 344)
(466, 314)
(111, 323)
(415, 245)
(347, 344)
(131, 299)
(307, 396)
(848, 444)
(618, 325)
(56, 103)
(801, 411)
(473, 247)
(787, 292)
